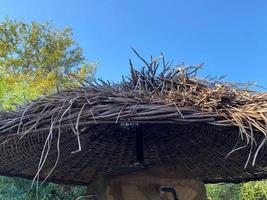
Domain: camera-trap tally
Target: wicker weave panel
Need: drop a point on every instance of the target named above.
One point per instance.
(191, 151)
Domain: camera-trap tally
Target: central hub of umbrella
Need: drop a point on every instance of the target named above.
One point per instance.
(139, 164)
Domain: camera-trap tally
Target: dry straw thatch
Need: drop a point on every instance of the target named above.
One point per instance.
(158, 93)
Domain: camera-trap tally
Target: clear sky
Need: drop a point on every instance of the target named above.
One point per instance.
(230, 36)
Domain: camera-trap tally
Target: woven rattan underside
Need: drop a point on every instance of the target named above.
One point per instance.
(192, 151)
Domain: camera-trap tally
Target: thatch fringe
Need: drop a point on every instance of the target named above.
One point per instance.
(158, 93)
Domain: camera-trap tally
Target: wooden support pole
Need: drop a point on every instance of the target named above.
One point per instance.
(139, 145)
(146, 186)
(98, 187)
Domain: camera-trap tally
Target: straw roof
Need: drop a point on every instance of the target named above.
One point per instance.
(201, 128)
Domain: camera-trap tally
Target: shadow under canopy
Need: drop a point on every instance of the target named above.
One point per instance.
(169, 120)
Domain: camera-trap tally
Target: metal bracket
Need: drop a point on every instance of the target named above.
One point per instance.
(166, 189)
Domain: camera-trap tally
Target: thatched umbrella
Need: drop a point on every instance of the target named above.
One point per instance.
(128, 139)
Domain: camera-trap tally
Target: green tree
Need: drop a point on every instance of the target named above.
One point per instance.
(36, 59)
(223, 191)
(253, 190)
(19, 189)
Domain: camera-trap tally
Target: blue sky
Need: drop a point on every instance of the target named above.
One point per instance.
(229, 36)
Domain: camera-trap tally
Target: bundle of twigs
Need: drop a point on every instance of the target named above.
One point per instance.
(155, 94)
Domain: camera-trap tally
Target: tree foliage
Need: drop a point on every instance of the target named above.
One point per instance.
(254, 190)
(20, 189)
(36, 59)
